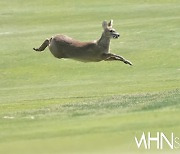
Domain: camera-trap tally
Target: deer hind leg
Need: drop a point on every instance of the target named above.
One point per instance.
(111, 57)
(43, 45)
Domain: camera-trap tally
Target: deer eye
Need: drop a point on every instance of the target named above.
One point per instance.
(112, 31)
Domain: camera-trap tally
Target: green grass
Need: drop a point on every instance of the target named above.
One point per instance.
(51, 106)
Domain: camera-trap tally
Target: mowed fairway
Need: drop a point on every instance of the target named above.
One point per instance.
(51, 106)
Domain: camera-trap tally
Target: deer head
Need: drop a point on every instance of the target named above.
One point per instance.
(109, 31)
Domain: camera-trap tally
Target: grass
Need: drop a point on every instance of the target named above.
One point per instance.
(64, 106)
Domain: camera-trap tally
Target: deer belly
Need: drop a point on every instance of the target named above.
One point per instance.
(83, 56)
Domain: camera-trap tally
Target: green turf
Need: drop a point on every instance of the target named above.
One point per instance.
(51, 106)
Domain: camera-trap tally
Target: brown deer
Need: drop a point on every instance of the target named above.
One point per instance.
(62, 46)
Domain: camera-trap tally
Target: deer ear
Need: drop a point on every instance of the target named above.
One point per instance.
(110, 24)
(104, 24)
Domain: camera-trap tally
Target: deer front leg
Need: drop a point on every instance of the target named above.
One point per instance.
(110, 57)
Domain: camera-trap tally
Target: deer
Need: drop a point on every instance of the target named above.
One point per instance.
(62, 46)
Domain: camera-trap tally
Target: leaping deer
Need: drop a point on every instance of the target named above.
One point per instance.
(62, 46)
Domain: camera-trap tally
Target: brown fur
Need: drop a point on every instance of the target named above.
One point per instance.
(62, 46)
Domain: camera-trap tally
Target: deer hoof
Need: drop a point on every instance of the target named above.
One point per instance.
(35, 49)
(128, 62)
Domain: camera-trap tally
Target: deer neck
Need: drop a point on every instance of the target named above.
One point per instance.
(104, 42)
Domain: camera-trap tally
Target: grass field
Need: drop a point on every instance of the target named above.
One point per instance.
(51, 106)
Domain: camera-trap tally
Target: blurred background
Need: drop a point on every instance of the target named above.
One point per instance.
(54, 106)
